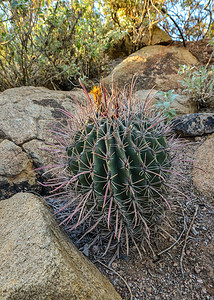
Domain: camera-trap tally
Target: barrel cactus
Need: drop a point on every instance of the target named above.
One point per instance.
(117, 161)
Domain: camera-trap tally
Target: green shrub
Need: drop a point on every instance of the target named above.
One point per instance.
(199, 83)
(165, 104)
(53, 44)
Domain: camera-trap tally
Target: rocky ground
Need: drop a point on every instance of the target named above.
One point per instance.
(185, 271)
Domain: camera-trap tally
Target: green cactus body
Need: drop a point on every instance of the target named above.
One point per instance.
(125, 164)
(114, 154)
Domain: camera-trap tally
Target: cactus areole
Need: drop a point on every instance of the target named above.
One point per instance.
(118, 161)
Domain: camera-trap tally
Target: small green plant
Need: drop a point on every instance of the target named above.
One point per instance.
(199, 83)
(116, 159)
(165, 104)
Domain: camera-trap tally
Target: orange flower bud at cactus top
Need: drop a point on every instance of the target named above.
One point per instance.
(97, 93)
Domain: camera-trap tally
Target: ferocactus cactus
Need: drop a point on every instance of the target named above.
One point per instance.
(117, 160)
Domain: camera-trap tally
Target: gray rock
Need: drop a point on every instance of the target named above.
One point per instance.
(203, 173)
(26, 115)
(13, 159)
(16, 170)
(27, 112)
(194, 124)
(36, 151)
(38, 261)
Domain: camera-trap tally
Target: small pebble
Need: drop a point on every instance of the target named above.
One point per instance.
(199, 280)
(114, 265)
(95, 249)
(194, 231)
(85, 250)
(197, 269)
(197, 296)
(148, 289)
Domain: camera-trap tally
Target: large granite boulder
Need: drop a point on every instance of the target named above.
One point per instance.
(26, 115)
(182, 104)
(38, 260)
(27, 112)
(150, 36)
(203, 174)
(155, 36)
(153, 66)
(197, 124)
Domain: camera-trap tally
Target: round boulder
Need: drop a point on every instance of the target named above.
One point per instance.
(153, 66)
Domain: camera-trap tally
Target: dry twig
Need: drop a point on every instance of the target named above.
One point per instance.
(128, 287)
(165, 250)
(185, 241)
